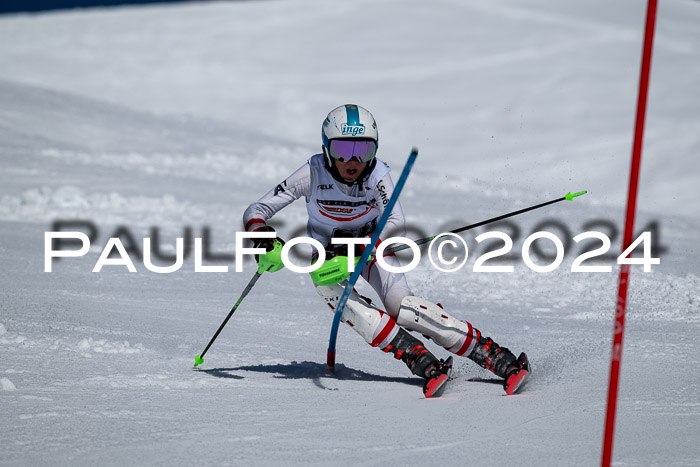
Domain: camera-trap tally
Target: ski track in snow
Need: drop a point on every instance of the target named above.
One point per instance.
(178, 116)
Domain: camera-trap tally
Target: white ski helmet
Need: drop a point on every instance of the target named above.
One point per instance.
(348, 122)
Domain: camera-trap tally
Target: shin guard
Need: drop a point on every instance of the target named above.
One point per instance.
(427, 318)
(375, 326)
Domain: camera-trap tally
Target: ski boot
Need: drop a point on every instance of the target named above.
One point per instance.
(517, 374)
(410, 350)
(501, 362)
(438, 374)
(421, 362)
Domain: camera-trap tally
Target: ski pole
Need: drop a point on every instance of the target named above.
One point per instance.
(267, 263)
(569, 197)
(199, 359)
(330, 358)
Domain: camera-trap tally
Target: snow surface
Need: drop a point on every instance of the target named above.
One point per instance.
(181, 115)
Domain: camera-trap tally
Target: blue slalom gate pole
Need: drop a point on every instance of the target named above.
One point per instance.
(330, 359)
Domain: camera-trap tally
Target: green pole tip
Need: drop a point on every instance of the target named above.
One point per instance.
(571, 197)
(198, 361)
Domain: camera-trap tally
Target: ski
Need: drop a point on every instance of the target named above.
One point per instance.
(518, 377)
(433, 386)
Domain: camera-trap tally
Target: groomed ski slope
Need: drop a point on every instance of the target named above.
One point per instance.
(179, 116)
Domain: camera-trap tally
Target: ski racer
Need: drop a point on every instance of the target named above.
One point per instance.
(346, 188)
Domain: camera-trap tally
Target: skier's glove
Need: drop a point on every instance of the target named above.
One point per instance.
(267, 243)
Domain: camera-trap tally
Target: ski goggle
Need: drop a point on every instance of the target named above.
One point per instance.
(344, 150)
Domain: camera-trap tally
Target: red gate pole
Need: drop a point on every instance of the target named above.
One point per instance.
(619, 327)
